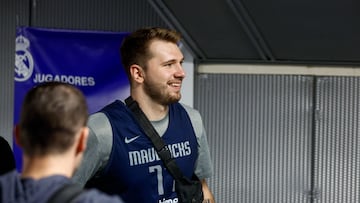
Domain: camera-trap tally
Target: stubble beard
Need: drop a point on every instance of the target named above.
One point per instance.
(158, 93)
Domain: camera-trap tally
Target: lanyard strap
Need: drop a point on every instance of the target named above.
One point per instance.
(162, 149)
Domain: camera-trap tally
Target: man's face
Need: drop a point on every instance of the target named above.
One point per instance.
(164, 72)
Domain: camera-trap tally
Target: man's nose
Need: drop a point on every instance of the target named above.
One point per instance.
(180, 72)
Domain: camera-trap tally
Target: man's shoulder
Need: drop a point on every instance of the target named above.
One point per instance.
(93, 195)
(195, 119)
(193, 113)
(101, 117)
(116, 110)
(114, 106)
(97, 117)
(10, 176)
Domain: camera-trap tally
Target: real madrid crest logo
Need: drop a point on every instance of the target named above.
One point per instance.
(24, 63)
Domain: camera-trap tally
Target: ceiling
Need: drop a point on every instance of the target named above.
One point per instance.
(267, 31)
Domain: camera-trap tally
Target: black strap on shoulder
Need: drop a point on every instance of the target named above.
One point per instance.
(162, 149)
(66, 193)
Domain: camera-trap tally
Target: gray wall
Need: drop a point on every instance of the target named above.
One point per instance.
(281, 138)
(8, 22)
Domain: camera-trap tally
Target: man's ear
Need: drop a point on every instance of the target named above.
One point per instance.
(82, 140)
(137, 73)
(17, 135)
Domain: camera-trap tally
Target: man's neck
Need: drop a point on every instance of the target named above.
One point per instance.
(40, 167)
(153, 110)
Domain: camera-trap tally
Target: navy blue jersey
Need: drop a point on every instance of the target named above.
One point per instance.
(134, 170)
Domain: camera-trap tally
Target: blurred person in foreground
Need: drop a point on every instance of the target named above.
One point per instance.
(52, 133)
(7, 157)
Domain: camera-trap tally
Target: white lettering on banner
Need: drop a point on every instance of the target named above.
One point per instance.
(150, 155)
(71, 79)
(175, 200)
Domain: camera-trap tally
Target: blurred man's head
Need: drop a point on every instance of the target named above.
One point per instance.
(53, 115)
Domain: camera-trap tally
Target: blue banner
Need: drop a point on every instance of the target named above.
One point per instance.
(89, 60)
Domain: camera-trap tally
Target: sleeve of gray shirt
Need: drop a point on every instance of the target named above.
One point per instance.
(98, 148)
(204, 165)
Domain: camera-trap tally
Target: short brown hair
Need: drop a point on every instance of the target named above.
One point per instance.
(135, 47)
(52, 113)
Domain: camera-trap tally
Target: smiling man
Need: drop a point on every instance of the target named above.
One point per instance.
(120, 158)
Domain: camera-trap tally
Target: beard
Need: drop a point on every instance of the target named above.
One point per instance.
(159, 93)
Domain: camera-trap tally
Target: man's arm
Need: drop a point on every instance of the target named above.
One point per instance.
(98, 148)
(204, 166)
(208, 196)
